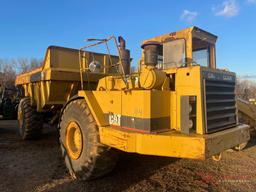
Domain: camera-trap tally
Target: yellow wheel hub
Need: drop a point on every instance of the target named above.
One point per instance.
(74, 140)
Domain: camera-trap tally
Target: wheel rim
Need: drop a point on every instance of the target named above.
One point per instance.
(74, 142)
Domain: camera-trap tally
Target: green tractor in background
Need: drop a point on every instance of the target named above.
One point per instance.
(9, 100)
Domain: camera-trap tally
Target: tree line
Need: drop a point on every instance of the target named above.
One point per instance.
(246, 89)
(10, 68)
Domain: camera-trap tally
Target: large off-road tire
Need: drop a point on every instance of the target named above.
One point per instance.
(30, 121)
(85, 157)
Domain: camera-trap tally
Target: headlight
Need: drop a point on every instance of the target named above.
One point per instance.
(95, 66)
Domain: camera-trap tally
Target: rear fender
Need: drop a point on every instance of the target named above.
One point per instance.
(94, 108)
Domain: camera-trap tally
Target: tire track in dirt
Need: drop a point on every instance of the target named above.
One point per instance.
(38, 166)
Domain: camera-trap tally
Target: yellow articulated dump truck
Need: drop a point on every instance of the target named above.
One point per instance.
(247, 113)
(177, 104)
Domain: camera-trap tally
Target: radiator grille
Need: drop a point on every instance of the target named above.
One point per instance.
(220, 104)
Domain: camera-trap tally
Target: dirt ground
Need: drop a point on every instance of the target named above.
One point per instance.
(38, 166)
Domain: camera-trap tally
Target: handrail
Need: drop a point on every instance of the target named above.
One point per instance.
(100, 41)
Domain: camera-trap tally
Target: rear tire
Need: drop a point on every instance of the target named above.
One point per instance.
(85, 157)
(30, 121)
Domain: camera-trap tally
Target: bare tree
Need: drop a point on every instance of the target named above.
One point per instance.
(24, 64)
(7, 72)
(9, 68)
(246, 89)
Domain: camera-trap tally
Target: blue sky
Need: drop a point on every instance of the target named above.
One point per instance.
(27, 27)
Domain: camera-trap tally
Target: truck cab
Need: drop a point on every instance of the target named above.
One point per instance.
(178, 105)
(188, 57)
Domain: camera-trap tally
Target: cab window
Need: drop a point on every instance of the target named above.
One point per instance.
(201, 57)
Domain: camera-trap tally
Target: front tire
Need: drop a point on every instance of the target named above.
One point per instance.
(30, 121)
(85, 157)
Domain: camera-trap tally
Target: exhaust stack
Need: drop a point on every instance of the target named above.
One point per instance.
(125, 55)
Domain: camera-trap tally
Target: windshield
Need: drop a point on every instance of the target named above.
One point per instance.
(201, 57)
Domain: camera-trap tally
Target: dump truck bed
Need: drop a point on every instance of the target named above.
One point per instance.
(58, 79)
(247, 113)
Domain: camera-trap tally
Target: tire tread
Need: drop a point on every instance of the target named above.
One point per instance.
(105, 158)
